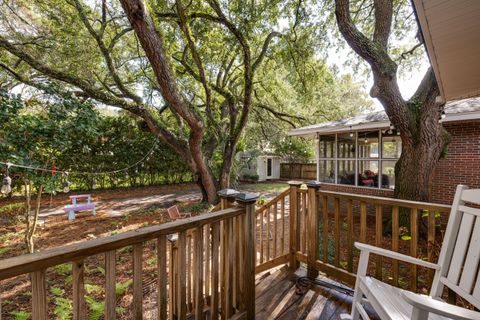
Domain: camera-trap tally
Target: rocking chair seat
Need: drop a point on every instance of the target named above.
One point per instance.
(388, 301)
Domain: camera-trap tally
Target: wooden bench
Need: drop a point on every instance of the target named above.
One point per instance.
(76, 207)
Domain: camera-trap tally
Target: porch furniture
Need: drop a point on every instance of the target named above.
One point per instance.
(457, 269)
(76, 207)
(175, 214)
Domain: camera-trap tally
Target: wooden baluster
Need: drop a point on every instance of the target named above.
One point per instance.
(248, 201)
(199, 273)
(325, 229)
(207, 262)
(162, 278)
(294, 224)
(268, 234)
(363, 221)
(215, 269)
(110, 296)
(431, 242)
(235, 241)
(378, 240)
(413, 246)
(262, 220)
(312, 229)
(337, 231)
(350, 236)
(282, 216)
(182, 275)
(188, 258)
(395, 239)
(39, 295)
(275, 231)
(229, 270)
(172, 280)
(137, 281)
(304, 225)
(78, 294)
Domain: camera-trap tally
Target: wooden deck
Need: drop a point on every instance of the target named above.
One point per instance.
(277, 297)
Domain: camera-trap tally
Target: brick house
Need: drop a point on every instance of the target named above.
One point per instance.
(358, 155)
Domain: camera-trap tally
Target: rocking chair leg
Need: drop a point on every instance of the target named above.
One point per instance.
(358, 295)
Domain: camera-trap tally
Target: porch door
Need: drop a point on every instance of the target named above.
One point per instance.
(269, 168)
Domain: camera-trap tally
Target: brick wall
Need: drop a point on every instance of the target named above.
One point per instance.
(462, 163)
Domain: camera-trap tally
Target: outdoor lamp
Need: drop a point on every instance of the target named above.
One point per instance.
(351, 132)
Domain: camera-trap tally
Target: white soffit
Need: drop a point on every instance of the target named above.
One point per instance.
(451, 30)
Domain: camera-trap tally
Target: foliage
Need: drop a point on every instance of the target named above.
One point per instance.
(228, 62)
(21, 315)
(96, 308)
(295, 150)
(122, 287)
(63, 269)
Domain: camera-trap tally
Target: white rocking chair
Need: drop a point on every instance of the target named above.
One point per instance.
(457, 268)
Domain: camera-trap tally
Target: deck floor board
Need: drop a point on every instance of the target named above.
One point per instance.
(277, 297)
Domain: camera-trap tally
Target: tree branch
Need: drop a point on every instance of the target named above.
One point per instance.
(106, 54)
(266, 43)
(383, 21)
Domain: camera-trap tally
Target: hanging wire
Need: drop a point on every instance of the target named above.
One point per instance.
(9, 164)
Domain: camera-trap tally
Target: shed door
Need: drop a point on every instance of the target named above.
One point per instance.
(269, 168)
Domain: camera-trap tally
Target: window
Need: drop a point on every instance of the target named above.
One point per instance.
(364, 158)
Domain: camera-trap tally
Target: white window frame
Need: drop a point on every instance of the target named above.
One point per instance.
(356, 159)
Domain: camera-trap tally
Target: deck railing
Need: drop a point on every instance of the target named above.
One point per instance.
(208, 268)
(323, 226)
(205, 266)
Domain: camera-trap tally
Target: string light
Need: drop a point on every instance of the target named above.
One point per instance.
(66, 183)
(390, 131)
(7, 181)
(80, 173)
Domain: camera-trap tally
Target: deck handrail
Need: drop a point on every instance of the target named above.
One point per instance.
(388, 201)
(51, 257)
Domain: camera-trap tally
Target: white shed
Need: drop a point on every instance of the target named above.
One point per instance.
(265, 165)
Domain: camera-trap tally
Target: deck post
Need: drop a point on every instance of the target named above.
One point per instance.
(248, 200)
(312, 228)
(294, 224)
(227, 198)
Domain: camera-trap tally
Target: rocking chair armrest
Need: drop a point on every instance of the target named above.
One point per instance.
(427, 305)
(395, 255)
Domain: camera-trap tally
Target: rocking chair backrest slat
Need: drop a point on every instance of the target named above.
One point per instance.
(459, 258)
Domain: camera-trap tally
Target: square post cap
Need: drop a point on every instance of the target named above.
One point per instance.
(294, 183)
(227, 193)
(313, 184)
(246, 197)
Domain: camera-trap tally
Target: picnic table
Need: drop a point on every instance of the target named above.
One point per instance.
(82, 206)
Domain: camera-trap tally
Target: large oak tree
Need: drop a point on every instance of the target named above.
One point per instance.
(193, 71)
(367, 27)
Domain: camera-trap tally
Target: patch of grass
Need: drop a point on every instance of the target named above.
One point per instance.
(63, 269)
(122, 287)
(20, 315)
(265, 187)
(96, 308)
(198, 207)
(4, 250)
(11, 207)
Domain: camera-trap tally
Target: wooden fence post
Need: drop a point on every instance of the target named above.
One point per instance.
(248, 200)
(294, 224)
(227, 198)
(312, 228)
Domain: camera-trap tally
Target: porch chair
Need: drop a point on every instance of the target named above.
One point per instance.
(457, 268)
(175, 214)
